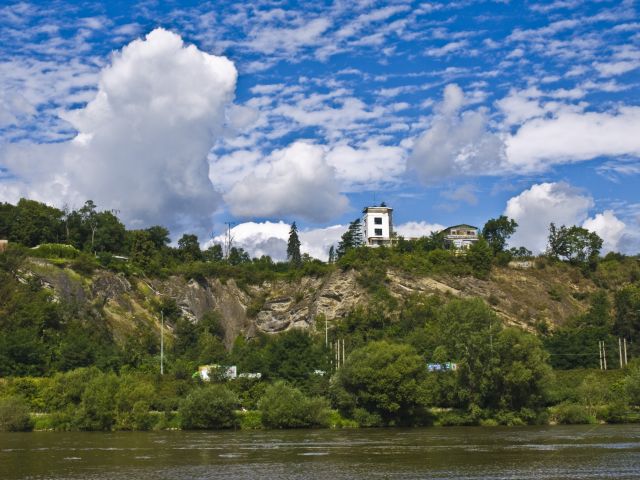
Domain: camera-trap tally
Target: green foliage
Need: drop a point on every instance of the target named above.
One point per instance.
(14, 415)
(497, 231)
(293, 247)
(627, 318)
(54, 251)
(572, 414)
(480, 257)
(352, 238)
(385, 379)
(283, 406)
(574, 244)
(209, 407)
(189, 248)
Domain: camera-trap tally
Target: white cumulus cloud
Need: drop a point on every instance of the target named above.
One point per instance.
(417, 229)
(543, 203)
(270, 238)
(142, 142)
(574, 136)
(456, 143)
(609, 228)
(294, 181)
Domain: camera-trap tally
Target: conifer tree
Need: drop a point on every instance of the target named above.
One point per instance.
(293, 246)
(332, 254)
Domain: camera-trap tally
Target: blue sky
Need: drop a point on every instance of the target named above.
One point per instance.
(191, 114)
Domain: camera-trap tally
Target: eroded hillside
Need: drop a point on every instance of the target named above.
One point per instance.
(521, 296)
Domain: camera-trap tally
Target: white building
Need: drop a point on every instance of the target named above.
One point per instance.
(378, 226)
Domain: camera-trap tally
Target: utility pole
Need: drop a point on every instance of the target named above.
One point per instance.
(604, 355)
(600, 352)
(625, 351)
(620, 350)
(162, 342)
(326, 332)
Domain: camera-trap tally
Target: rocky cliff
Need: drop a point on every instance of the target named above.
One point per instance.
(524, 297)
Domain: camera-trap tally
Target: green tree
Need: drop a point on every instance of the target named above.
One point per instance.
(574, 244)
(480, 257)
(332, 254)
(352, 238)
(214, 253)
(159, 236)
(33, 223)
(238, 256)
(385, 379)
(497, 231)
(283, 406)
(293, 247)
(627, 317)
(189, 248)
(209, 407)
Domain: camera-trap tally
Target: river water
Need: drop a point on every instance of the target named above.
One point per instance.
(580, 452)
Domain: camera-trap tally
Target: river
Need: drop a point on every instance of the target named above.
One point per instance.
(580, 452)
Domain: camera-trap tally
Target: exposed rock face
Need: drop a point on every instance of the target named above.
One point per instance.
(520, 297)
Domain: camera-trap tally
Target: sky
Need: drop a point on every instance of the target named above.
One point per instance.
(193, 114)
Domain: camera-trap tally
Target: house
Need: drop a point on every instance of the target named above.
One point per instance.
(460, 237)
(4, 244)
(377, 223)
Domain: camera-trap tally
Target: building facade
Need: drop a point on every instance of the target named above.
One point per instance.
(460, 237)
(377, 223)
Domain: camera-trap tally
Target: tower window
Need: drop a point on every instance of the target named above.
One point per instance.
(378, 232)
(377, 220)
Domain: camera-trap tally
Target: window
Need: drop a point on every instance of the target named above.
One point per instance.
(378, 232)
(377, 220)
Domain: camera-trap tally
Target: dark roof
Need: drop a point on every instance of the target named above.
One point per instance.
(461, 225)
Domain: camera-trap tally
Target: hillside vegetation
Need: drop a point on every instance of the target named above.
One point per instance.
(82, 298)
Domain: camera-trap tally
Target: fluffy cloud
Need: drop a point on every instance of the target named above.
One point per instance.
(610, 229)
(535, 208)
(270, 238)
(368, 165)
(456, 143)
(294, 181)
(574, 136)
(417, 229)
(142, 142)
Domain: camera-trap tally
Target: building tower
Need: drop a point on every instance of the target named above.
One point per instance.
(378, 225)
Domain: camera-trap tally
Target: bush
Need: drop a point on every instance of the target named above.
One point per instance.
(572, 414)
(250, 420)
(210, 407)
(14, 415)
(283, 406)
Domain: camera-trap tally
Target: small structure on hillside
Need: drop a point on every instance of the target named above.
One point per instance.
(378, 225)
(207, 372)
(4, 244)
(460, 237)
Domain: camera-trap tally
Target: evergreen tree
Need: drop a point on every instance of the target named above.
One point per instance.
(293, 246)
(352, 238)
(332, 254)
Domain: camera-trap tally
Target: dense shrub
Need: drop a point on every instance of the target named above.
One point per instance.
(572, 414)
(209, 407)
(14, 415)
(283, 406)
